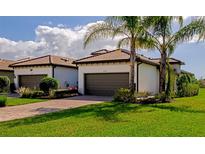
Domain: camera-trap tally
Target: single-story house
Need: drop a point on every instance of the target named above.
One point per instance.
(29, 72)
(103, 72)
(5, 70)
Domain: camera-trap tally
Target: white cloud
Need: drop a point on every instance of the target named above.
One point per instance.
(58, 40)
(61, 25)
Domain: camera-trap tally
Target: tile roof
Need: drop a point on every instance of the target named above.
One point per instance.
(46, 60)
(171, 60)
(186, 72)
(4, 65)
(114, 55)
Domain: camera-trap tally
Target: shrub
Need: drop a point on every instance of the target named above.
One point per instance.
(202, 83)
(29, 93)
(187, 86)
(142, 94)
(163, 98)
(188, 90)
(73, 89)
(47, 84)
(24, 92)
(37, 94)
(124, 95)
(4, 83)
(3, 100)
(60, 93)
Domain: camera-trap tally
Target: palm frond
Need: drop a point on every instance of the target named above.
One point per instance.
(98, 31)
(115, 20)
(171, 48)
(120, 31)
(145, 43)
(179, 20)
(123, 42)
(187, 32)
(201, 31)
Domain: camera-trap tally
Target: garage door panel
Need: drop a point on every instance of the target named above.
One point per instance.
(30, 81)
(105, 84)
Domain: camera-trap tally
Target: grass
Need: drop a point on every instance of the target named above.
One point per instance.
(12, 101)
(183, 117)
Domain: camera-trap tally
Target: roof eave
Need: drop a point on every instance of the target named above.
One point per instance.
(8, 70)
(42, 65)
(101, 61)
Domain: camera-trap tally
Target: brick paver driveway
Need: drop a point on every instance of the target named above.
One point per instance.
(28, 110)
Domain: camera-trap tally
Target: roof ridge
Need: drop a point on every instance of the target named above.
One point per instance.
(29, 60)
(109, 51)
(137, 54)
(73, 59)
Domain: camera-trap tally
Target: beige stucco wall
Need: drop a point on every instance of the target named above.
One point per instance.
(36, 70)
(177, 68)
(117, 67)
(148, 78)
(66, 75)
(148, 74)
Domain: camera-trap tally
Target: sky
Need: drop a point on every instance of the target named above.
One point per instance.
(22, 37)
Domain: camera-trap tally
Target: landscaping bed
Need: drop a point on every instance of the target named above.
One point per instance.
(52, 94)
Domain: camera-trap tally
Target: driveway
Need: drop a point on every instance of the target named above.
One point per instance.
(28, 110)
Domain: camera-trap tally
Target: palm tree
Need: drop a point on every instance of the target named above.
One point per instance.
(201, 30)
(170, 75)
(128, 28)
(161, 34)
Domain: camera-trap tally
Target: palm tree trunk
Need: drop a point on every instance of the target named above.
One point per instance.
(132, 67)
(162, 81)
(168, 89)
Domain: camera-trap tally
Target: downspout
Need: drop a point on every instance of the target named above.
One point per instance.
(53, 71)
(138, 63)
(53, 66)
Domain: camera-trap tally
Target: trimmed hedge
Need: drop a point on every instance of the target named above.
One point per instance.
(61, 93)
(124, 95)
(48, 84)
(4, 83)
(3, 100)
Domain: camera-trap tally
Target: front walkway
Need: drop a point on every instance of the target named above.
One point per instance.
(28, 110)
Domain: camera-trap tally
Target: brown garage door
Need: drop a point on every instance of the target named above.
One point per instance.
(30, 81)
(105, 84)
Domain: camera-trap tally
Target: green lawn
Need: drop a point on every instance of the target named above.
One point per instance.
(184, 117)
(11, 101)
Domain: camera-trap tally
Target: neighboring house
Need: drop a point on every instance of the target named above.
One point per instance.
(103, 72)
(29, 72)
(186, 72)
(176, 64)
(5, 70)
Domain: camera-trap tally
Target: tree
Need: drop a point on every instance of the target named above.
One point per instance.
(170, 76)
(4, 83)
(161, 34)
(128, 28)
